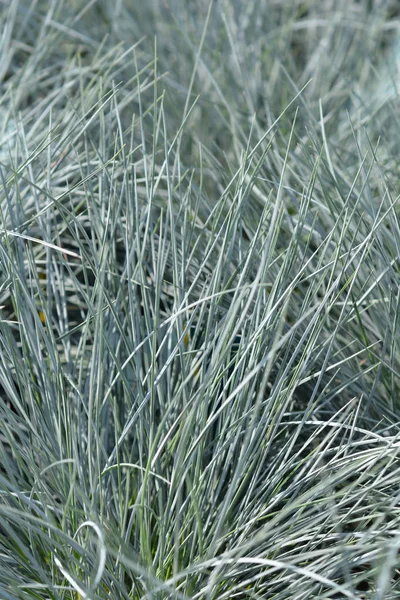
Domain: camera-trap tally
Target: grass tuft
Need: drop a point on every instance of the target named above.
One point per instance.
(199, 299)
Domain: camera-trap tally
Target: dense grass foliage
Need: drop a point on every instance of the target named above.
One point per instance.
(199, 290)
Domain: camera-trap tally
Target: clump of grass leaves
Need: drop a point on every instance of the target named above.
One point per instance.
(199, 289)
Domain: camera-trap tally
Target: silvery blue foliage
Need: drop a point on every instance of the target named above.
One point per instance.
(388, 75)
(8, 129)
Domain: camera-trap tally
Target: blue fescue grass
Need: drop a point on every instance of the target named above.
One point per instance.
(199, 290)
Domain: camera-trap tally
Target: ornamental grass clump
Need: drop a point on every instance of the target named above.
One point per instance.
(199, 291)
